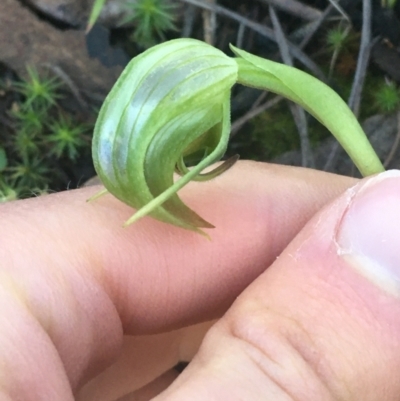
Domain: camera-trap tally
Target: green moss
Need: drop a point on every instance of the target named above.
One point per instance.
(337, 38)
(387, 97)
(152, 19)
(41, 142)
(273, 133)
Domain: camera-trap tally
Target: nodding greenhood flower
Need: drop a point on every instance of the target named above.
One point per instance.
(171, 103)
(171, 106)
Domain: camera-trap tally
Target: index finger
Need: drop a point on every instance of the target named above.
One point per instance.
(159, 276)
(82, 280)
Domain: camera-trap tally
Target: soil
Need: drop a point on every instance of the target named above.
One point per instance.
(25, 39)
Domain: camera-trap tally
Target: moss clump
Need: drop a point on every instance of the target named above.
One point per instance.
(41, 142)
(273, 133)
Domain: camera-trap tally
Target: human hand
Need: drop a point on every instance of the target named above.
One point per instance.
(98, 312)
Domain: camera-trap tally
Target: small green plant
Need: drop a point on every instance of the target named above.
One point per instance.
(28, 127)
(387, 97)
(3, 159)
(7, 193)
(151, 18)
(30, 173)
(388, 3)
(29, 117)
(42, 138)
(41, 91)
(336, 40)
(181, 93)
(336, 37)
(26, 143)
(66, 138)
(95, 13)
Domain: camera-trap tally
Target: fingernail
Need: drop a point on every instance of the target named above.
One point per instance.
(369, 233)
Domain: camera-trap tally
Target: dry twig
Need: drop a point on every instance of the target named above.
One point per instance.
(264, 31)
(253, 112)
(189, 17)
(64, 77)
(338, 7)
(316, 25)
(209, 22)
(358, 82)
(298, 113)
(363, 59)
(296, 8)
(240, 35)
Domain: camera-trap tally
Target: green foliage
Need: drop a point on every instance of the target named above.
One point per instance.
(337, 37)
(388, 3)
(7, 193)
(30, 173)
(42, 134)
(3, 159)
(273, 133)
(66, 138)
(152, 19)
(41, 91)
(387, 97)
(337, 40)
(94, 14)
(25, 143)
(29, 116)
(318, 99)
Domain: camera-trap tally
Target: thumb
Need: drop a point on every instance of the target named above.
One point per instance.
(323, 322)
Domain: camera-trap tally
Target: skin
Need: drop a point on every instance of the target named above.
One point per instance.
(92, 311)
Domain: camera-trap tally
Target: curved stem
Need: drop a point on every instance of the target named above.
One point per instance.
(316, 98)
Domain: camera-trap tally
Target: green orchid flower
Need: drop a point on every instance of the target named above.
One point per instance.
(171, 106)
(171, 102)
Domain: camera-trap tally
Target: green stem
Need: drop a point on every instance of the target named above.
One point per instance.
(315, 97)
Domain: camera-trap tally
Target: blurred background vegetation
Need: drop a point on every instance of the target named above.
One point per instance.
(49, 96)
